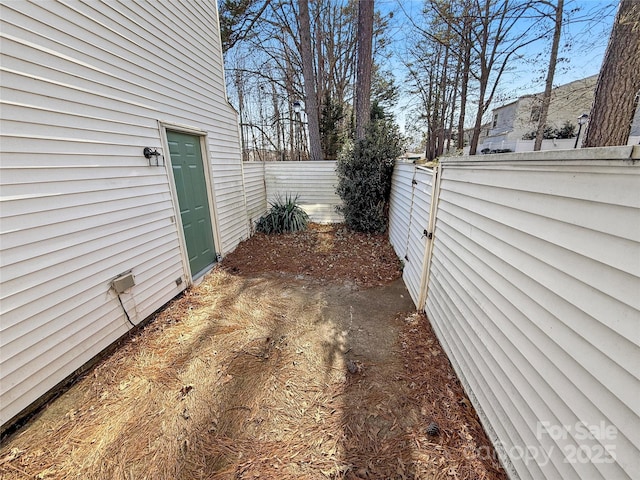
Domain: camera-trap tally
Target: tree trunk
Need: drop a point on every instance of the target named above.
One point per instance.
(320, 59)
(453, 101)
(499, 40)
(477, 128)
(442, 116)
(546, 97)
(276, 122)
(618, 83)
(311, 103)
(364, 61)
(466, 67)
(482, 107)
(485, 70)
(239, 88)
(290, 93)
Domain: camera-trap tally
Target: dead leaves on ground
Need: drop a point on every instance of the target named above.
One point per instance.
(323, 252)
(232, 381)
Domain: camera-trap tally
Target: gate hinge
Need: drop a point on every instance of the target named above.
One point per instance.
(429, 235)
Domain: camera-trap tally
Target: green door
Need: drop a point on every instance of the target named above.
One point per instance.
(188, 173)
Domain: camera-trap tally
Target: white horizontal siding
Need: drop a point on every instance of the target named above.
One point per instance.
(534, 288)
(84, 85)
(313, 182)
(255, 190)
(229, 195)
(416, 240)
(400, 207)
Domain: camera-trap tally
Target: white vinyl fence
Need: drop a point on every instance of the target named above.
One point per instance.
(313, 182)
(532, 284)
(409, 222)
(400, 207)
(254, 190)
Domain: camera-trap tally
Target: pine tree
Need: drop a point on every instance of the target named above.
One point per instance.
(618, 86)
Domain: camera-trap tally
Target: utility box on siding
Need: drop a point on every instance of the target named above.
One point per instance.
(101, 101)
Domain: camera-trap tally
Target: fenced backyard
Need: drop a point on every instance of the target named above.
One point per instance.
(528, 267)
(299, 357)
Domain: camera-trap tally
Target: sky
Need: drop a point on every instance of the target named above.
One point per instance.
(584, 42)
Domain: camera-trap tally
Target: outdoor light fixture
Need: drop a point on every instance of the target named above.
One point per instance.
(297, 107)
(582, 119)
(149, 152)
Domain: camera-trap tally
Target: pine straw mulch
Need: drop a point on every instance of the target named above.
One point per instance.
(245, 377)
(323, 252)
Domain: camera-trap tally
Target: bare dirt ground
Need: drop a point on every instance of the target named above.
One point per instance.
(299, 357)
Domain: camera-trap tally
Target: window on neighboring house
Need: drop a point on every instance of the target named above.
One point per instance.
(535, 113)
(495, 120)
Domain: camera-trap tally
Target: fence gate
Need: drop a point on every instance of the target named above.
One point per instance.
(414, 267)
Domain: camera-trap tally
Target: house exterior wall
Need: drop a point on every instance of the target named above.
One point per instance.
(533, 291)
(85, 87)
(634, 134)
(516, 119)
(570, 101)
(635, 125)
(503, 120)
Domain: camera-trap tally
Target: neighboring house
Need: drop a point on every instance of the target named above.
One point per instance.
(514, 120)
(96, 236)
(485, 128)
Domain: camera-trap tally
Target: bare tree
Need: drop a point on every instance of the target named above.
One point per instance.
(270, 59)
(618, 85)
(465, 68)
(335, 26)
(429, 78)
(238, 18)
(553, 58)
(439, 71)
(488, 39)
(496, 40)
(365, 61)
(311, 102)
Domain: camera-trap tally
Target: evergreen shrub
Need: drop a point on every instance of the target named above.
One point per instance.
(364, 177)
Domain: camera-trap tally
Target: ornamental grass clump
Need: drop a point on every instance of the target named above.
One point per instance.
(283, 216)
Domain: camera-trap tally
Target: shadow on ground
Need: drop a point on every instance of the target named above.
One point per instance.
(266, 376)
